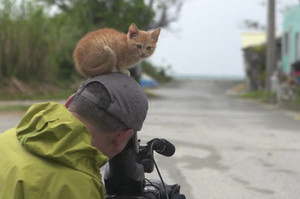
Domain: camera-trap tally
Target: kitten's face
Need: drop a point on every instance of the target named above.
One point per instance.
(142, 42)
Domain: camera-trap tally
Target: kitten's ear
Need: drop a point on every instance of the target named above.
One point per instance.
(133, 31)
(155, 34)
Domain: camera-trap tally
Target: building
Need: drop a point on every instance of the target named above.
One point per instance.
(290, 52)
(254, 51)
(250, 39)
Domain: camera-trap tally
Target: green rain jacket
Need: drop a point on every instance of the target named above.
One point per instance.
(49, 156)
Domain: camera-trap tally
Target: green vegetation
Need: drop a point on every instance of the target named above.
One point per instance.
(14, 108)
(297, 96)
(258, 95)
(259, 48)
(37, 45)
(63, 94)
(158, 73)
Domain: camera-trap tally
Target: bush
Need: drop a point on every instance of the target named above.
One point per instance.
(37, 47)
(33, 46)
(158, 73)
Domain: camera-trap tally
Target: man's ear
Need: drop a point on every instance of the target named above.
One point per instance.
(69, 100)
(121, 139)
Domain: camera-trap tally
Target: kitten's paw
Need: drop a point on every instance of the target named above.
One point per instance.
(114, 69)
(125, 71)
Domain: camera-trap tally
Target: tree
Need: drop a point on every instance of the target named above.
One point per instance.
(38, 46)
(167, 12)
(93, 14)
(148, 14)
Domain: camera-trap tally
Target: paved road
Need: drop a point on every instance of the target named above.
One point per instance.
(10, 119)
(226, 147)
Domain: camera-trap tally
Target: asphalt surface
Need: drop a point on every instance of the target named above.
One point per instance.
(225, 147)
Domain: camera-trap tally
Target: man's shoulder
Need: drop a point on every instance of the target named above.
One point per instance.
(41, 176)
(7, 137)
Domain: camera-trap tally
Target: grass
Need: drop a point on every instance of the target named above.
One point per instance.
(23, 107)
(258, 95)
(22, 96)
(151, 95)
(253, 95)
(14, 108)
(57, 96)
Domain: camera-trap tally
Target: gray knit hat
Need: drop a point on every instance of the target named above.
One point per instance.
(128, 101)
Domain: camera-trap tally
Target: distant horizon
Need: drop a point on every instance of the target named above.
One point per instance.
(208, 77)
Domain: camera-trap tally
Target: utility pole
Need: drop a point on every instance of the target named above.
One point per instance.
(271, 47)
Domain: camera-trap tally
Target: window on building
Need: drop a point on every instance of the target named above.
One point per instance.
(297, 56)
(287, 43)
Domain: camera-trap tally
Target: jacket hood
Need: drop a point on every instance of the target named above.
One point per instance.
(51, 131)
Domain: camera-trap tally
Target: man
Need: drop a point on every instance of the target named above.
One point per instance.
(56, 151)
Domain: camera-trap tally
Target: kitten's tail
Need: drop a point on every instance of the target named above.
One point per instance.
(95, 62)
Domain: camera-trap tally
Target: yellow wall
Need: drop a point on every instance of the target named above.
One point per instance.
(253, 39)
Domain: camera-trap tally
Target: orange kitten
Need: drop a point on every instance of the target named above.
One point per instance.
(107, 50)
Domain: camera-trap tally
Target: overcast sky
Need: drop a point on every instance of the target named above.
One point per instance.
(206, 40)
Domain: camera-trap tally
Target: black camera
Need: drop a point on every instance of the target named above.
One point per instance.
(124, 175)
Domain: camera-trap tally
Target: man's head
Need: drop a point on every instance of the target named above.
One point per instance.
(112, 106)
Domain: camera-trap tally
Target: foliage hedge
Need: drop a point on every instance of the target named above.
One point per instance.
(37, 45)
